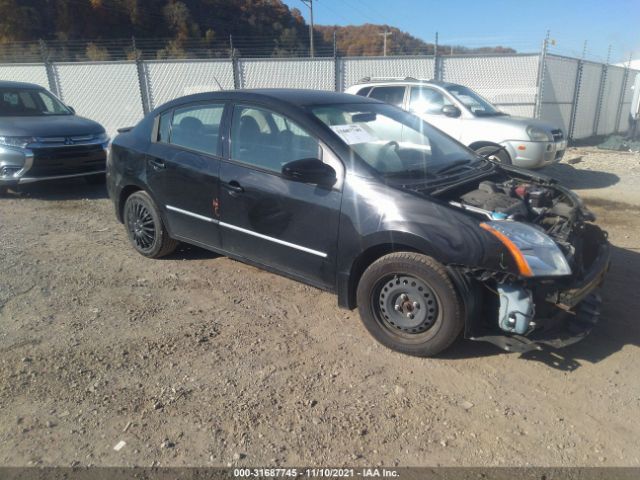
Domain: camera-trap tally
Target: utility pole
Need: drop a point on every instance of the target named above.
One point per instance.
(384, 35)
(309, 3)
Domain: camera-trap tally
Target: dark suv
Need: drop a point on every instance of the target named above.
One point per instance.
(43, 139)
(360, 198)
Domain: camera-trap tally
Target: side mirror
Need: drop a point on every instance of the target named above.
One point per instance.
(73, 110)
(310, 170)
(451, 111)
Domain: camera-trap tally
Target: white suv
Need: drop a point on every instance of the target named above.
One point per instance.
(466, 116)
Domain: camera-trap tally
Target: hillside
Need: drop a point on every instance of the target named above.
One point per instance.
(185, 28)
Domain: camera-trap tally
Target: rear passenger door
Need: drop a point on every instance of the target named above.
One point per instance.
(266, 218)
(183, 165)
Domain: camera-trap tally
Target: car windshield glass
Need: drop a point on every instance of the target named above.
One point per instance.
(22, 102)
(393, 142)
(474, 102)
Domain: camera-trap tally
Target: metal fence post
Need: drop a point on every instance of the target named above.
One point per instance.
(603, 82)
(235, 68)
(52, 77)
(143, 79)
(237, 78)
(337, 67)
(542, 66)
(596, 117)
(625, 79)
(437, 70)
(574, 101)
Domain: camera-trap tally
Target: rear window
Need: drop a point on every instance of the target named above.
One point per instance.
(363, 92)
(392, 95)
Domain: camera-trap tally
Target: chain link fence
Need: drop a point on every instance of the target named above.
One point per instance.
(582, 97)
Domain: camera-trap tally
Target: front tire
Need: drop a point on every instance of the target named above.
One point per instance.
(145, 228)
(409, 304)
(502, 156)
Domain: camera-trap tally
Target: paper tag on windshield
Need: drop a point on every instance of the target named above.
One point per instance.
(353, 134)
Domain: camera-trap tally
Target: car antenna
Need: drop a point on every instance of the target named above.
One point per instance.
(216, 80)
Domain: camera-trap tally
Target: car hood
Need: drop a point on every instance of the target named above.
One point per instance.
(518, 123)
(48, 126)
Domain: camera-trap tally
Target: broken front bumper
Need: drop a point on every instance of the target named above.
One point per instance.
(576, 313)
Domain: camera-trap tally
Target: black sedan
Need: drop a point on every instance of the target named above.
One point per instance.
(43, 139)
(360, 198)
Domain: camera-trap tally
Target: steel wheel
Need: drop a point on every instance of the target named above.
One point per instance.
(140, 225)
(405, 304)
(408, 303)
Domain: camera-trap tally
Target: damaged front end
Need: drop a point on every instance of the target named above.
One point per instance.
(554, 258)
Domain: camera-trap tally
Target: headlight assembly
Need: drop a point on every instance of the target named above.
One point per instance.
(534, 252)
(17, 142)
(538, 135)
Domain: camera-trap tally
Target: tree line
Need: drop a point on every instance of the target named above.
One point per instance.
(100, 29)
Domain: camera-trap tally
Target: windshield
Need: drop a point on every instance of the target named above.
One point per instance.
(474, 102)
(393, 142)
(22, 102)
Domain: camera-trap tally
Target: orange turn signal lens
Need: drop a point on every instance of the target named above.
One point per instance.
(521, 147)
(521, 262)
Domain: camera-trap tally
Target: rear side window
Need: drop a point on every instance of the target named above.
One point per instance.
(392, 95)
(363, 92)
(194, 127)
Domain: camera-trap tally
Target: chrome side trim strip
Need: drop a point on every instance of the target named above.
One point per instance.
(191, 214)
(60, 177)
(275, 240)
(248, 232)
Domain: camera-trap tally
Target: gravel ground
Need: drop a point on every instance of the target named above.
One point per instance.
(201, 360)
(602, 174)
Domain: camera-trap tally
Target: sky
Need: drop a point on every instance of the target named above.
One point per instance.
(520, 24)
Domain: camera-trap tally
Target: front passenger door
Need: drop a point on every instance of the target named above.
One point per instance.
(267, 218)
(427, 103)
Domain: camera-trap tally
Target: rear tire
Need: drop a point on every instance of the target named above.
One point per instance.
(502, 156)
(145, 228)
(409, 304)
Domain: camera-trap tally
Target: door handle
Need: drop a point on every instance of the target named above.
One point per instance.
(234, 188)
(157, 164)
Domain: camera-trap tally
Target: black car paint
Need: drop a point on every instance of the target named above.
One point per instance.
(346, 228)
(312, 216)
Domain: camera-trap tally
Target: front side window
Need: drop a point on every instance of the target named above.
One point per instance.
(396, 144)
(164, 127)
(427, 101)
(195, 127)
(29, 102)
(269, 140)
(392, 95)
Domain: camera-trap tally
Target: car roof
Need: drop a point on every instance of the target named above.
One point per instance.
(402, 81)
(290, 97)
(9, 84)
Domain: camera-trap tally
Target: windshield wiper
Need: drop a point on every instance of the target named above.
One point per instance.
(406, 173)
(454, 166)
